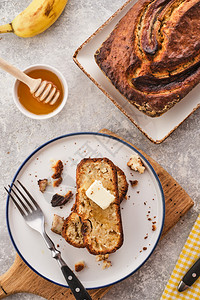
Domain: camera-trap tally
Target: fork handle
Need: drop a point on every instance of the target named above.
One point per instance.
(75, 285)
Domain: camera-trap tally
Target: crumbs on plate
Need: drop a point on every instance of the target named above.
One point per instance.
(57, 167)
(106, 263)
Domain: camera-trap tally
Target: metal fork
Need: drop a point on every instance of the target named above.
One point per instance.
(34, 217)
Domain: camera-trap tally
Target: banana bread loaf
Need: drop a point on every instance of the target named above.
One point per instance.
(152, 56)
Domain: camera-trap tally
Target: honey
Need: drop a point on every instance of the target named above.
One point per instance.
(29, 102)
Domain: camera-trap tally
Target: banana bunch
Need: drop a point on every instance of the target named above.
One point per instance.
(36, 18)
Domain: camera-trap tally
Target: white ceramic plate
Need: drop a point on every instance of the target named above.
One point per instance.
(156, 129)
(144, 201)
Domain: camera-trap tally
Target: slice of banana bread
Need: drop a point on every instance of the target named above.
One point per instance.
(73, 223)
(100, 231)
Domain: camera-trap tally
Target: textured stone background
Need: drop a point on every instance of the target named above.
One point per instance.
(88, 109)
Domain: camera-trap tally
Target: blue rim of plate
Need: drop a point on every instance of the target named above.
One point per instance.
(87, 133)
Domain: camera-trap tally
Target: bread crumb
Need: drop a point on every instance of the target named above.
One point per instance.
(136, 164)
(57, 182)
(58, 168)
(43, 184)
(133, 182)
(68, 195)
(57, 224)
(154, 227)
(102, 257)
(106, 264)
(79, 266)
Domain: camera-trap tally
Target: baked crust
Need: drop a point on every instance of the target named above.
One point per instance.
(122, 183)
(100, 231)
(71, 230)
(153, 55)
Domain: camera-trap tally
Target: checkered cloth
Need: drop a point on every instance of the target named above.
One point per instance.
(187, 258)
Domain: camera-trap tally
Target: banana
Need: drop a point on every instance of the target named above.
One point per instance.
(36, 18)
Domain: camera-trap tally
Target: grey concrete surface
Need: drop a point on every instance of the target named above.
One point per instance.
(88, 109)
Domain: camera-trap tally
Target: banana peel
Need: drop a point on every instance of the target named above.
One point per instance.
(36, 18)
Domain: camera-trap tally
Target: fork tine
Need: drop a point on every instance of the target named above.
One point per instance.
(20, 200)
(30, 196)
(17, 205)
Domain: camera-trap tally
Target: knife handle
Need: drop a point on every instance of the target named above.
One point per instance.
(193, 274)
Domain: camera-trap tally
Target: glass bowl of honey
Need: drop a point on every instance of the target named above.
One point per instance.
(32, 107)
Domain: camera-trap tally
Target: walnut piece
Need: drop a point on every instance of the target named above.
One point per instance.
(57, 224)
(42, 184)
(136, 164)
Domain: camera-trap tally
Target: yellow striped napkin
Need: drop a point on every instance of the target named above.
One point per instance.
(189, 254)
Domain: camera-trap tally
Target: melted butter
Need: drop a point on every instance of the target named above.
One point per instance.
(30, 102)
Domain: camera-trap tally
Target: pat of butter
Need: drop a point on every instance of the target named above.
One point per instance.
(101, 196)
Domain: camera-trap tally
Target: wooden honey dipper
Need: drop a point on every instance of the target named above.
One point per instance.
(42, 90)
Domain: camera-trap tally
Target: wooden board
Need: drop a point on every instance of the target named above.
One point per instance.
(20, 278)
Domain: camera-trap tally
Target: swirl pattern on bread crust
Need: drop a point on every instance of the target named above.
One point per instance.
(153, 55)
